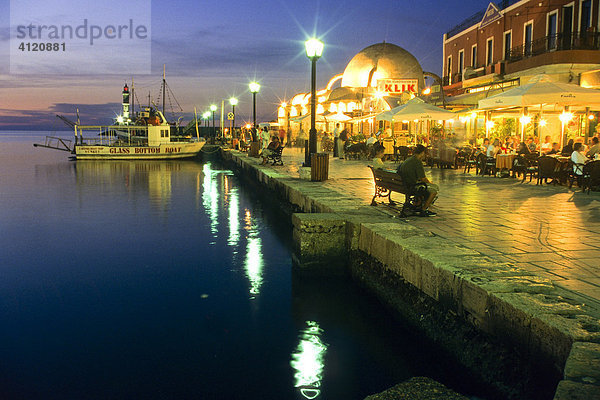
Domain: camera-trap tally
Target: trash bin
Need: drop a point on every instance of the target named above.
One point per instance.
(254, 149)
(319, 167)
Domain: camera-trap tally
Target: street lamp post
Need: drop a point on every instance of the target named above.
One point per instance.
(254, 88)
(314, 50)
(213, 108)
(233, 101)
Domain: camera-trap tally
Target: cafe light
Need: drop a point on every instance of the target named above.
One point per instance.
(525, 119)
(543, 122)
(473, 115)
(450, 121)
(427, 91)
(254, 87)
(233, 101)
(565, 117)
(284, 104)
(489, 124)
(591, 117)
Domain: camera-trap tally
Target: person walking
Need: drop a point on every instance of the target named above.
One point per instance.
(336, 138)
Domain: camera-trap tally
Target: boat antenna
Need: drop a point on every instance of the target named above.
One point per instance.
(77, 109)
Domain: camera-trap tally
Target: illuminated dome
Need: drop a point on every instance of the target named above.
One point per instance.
(379, 61)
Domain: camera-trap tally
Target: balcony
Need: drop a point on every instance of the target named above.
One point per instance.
(558, 42)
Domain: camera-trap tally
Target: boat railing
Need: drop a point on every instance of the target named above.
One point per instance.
(103, 135)
(57, 143)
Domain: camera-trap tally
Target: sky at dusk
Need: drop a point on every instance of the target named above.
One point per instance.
(212, 50)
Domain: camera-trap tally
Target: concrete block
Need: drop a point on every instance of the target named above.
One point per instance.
(569, 390)
(583, 364)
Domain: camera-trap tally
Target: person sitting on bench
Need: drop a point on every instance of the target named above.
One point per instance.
(413, 175)
(270, 150)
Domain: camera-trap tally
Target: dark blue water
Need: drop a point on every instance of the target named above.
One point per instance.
(171, 280)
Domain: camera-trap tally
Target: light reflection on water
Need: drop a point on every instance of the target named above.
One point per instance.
(309, 361)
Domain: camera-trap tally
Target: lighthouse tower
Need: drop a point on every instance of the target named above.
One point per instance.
(126, 104)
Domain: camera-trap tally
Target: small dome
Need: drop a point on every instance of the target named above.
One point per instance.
(381, 61)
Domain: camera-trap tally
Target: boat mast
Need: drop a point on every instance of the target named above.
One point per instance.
(164, 84)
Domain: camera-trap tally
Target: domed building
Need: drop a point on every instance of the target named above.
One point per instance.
(377, 78)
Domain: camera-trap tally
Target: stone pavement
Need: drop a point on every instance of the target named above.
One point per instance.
(551, 231)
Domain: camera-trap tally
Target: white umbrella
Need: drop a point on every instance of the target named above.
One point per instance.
(541, 90)
(417, 109)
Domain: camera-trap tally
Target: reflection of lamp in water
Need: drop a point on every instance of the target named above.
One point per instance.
(254, 263)
(234, 222)
(308, 361)
(210, 197)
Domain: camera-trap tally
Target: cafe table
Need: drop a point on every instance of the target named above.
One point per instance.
(504, 161)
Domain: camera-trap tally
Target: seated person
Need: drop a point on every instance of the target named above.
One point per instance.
(578, 159)
(378, 151)
(555, 149)
(270, 150)
(568, 149)
(523, 149)
(547, 145)
(485, 145)
(595, 149)
(493, 149)
(371, 140)
(412, 173)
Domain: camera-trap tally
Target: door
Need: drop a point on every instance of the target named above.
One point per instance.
(567, 31)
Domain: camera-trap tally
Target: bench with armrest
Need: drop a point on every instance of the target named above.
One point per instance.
(387, 182)
(276, 156)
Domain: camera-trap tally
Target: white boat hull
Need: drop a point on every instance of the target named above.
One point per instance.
(161, 152)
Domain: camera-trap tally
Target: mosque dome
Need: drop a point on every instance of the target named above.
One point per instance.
(381, 61)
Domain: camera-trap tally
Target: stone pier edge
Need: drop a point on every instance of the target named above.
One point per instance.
(493, 296)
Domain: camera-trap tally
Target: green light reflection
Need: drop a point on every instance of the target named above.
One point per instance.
(308, 361)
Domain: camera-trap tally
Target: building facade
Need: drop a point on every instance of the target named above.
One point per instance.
(516, 40)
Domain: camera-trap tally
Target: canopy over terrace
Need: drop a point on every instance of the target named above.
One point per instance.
(416, 109)
(541, 92)
(542, 96)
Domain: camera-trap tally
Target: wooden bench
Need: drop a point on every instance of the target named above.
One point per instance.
(276, 156)
(387, 182)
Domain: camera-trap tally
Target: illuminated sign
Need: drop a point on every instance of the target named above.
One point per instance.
(397, 86)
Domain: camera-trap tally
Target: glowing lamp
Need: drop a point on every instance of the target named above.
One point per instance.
(565, 117)
(591, 117)
(233, 101)
(284, 104)
(206, 115)
(427, 91)
(450, 121)
(543, 122)
(213, 107)
(254, 87)
(525, 119)
(489, 124)
(405, 121)
(314, 48)
(248, 126)
(473, 115)
(120, 119)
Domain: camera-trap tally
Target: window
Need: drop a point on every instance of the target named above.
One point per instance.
(585, 21)
(567, 25)
(551, 27)
(461, 64)
(528, 38)
(449, 70)
(474, 56)
(507, 44)
(489, 55)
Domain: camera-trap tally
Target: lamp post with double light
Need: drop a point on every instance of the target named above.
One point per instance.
(314, 50)
(254, 88)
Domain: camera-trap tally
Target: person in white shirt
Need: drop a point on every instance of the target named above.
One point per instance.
(547, 145)
(595, 149)
(578, 159)
(493, 149)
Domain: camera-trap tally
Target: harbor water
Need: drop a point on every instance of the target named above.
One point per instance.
(174, 280)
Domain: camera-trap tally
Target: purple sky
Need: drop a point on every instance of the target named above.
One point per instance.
(212, 50)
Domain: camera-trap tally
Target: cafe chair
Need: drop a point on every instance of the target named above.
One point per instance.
(591, 175)
(547, 168)
(524, 166)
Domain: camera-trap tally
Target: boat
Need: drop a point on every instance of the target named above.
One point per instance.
(146, 135)
(150, 138)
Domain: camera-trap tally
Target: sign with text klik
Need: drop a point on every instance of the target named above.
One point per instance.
(397, 86)
(74, 37)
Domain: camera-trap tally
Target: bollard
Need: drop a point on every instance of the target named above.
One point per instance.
(319, 167)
